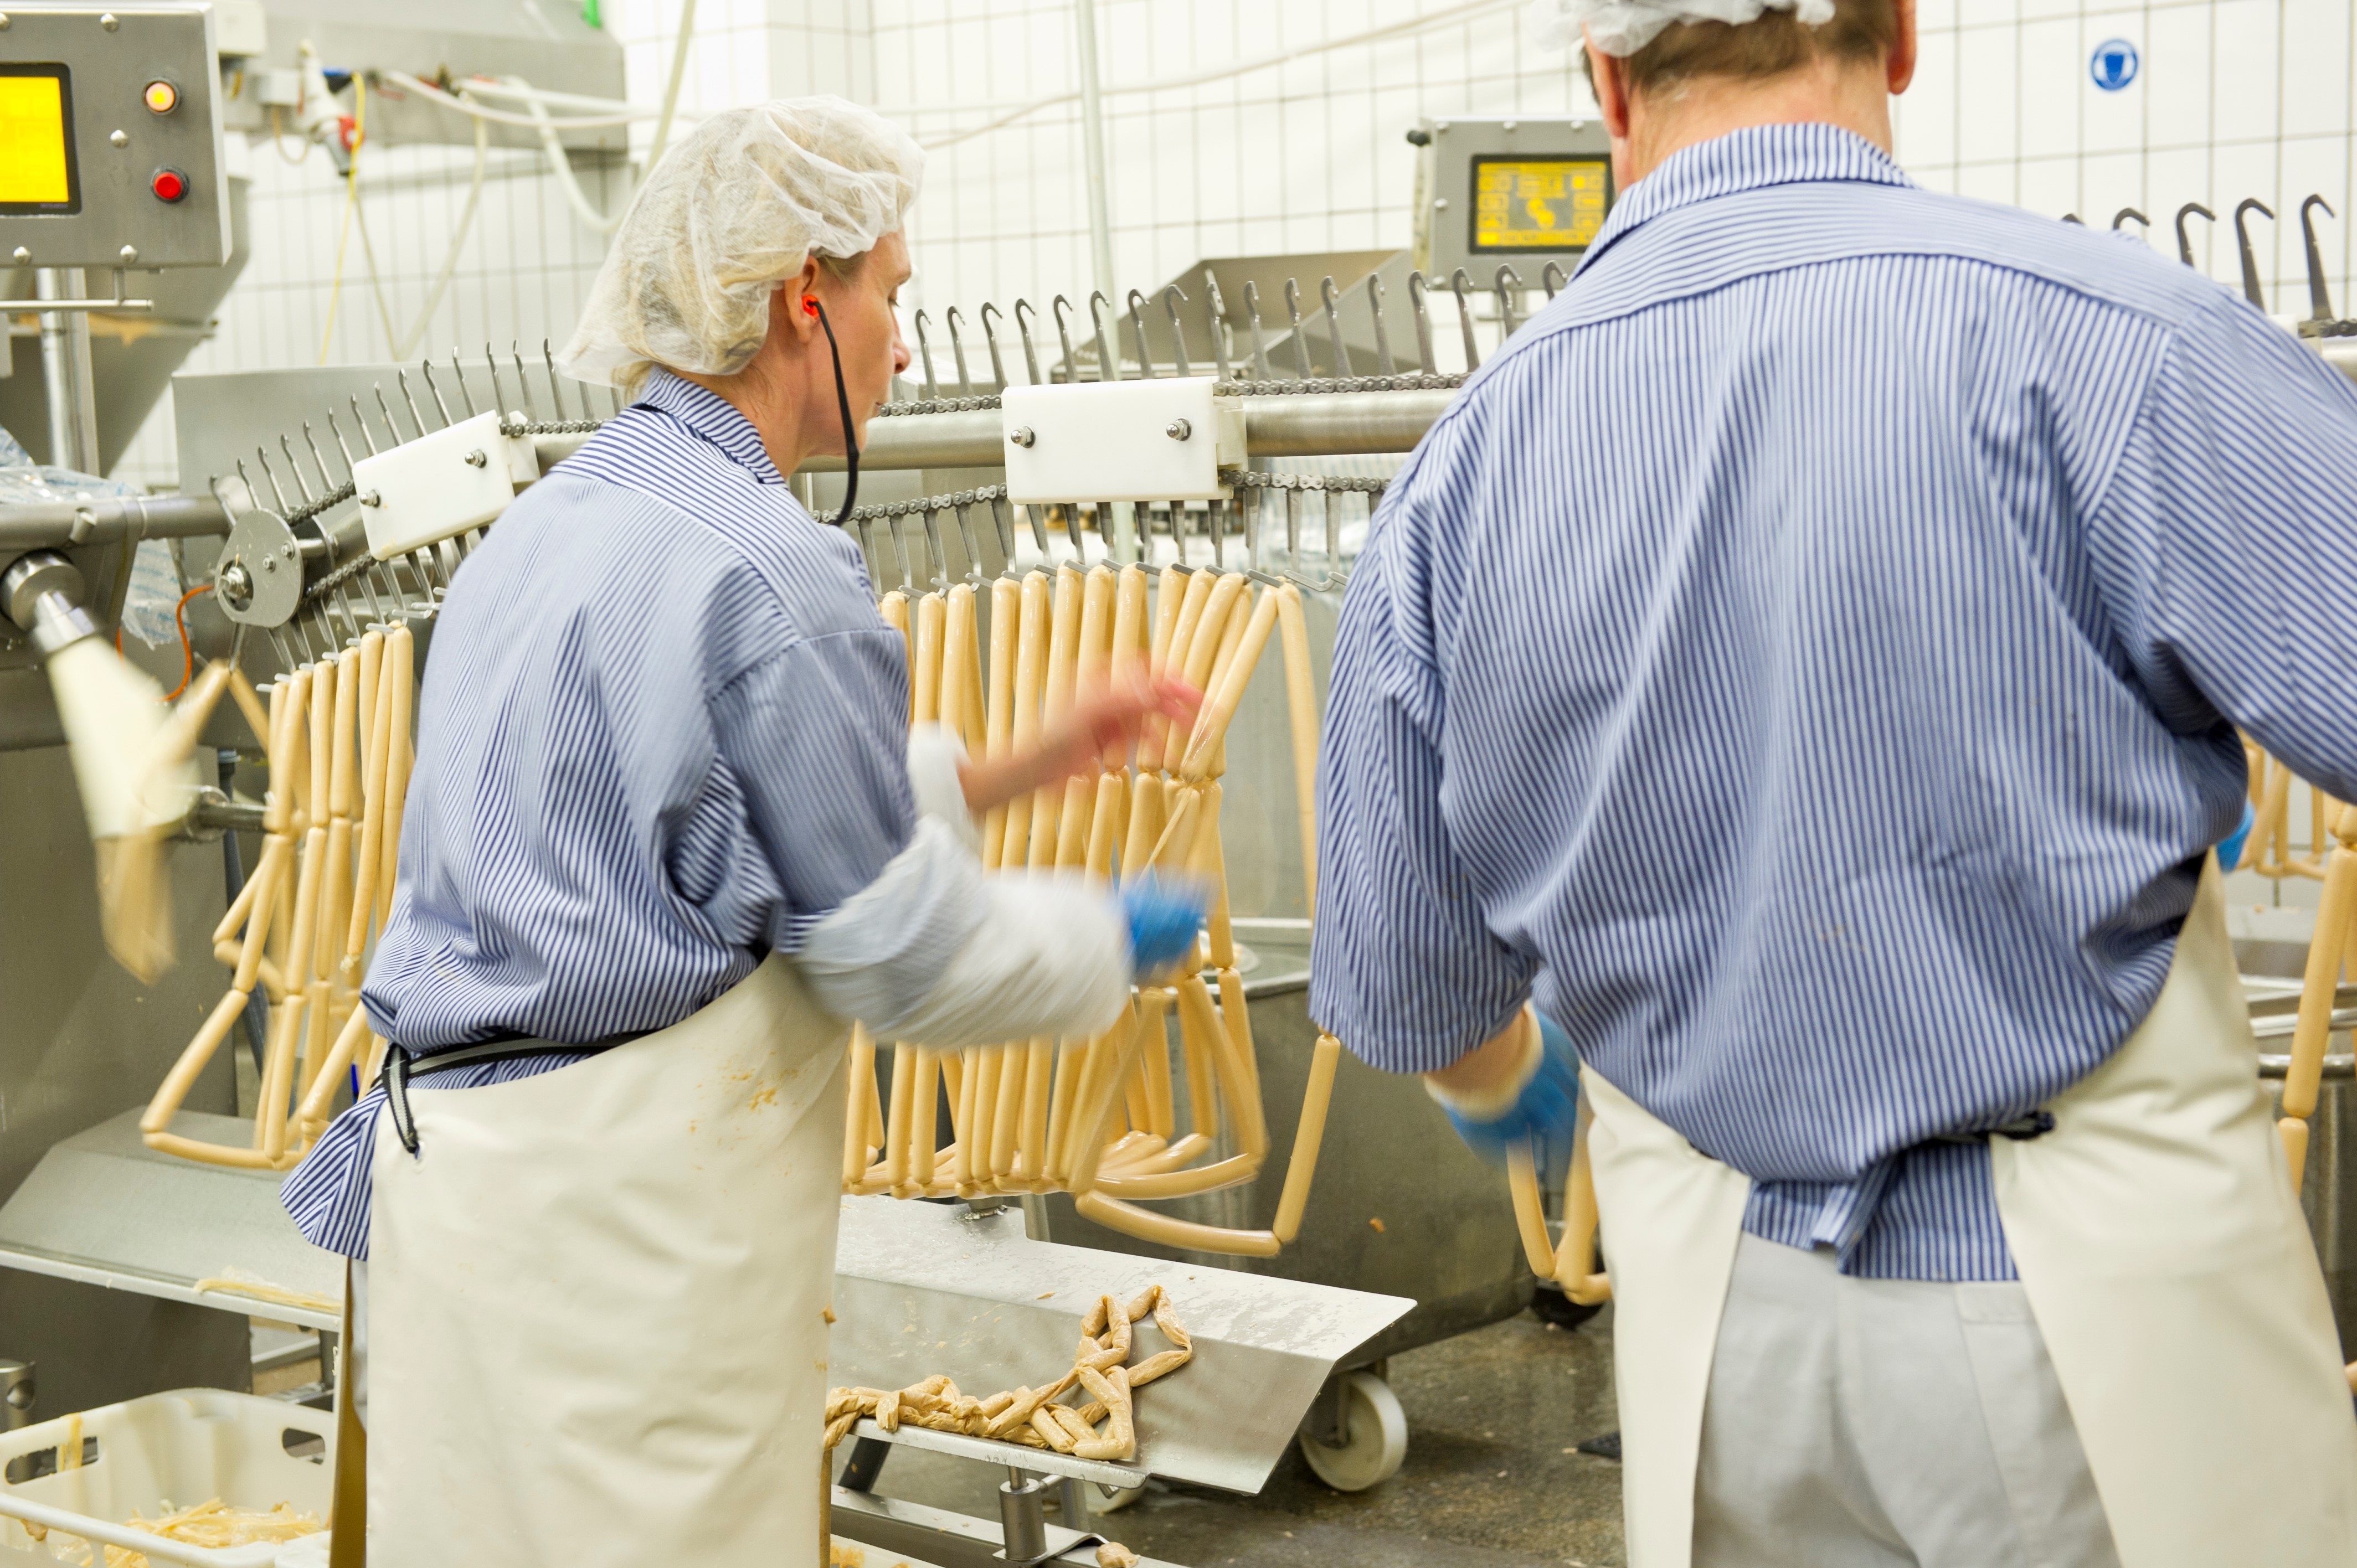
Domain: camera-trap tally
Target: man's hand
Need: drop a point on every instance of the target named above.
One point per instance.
(1099, 721)
(1521, 1083)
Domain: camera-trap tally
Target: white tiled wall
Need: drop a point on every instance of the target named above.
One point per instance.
(2231, 98)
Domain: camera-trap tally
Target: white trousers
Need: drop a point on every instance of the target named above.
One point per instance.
(1886, 1423)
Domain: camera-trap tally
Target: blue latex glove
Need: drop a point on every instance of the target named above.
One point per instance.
(2230, 848)
(1164, 920)
(1546, 1111)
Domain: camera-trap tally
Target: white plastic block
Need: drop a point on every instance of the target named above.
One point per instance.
(426, 490)
(1114, 441)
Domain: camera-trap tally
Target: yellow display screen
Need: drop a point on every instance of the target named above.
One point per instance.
(1539, 204)
(37, 159)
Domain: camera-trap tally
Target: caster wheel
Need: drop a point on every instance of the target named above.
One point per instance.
(1553, 1306)
(1378, 1440)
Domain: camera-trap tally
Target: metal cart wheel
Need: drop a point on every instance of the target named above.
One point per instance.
(1376, 1440)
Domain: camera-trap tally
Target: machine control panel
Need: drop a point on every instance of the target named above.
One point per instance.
(110, 138)
(1521, 192)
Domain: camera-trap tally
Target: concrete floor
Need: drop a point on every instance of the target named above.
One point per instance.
(1492, 1478)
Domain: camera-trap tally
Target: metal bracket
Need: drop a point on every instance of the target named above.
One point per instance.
(43, 307)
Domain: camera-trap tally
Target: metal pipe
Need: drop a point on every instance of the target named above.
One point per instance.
(65, 372)
(1084, 37)
(55, 524)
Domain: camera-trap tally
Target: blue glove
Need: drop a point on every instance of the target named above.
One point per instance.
(1164, 919)
(2230, 848)
(1544, 1111)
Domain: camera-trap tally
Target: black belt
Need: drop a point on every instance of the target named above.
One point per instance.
(2020, 1130)
(402, 1064)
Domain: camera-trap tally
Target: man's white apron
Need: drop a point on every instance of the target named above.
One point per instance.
(598, 1298)
(2162, 1248)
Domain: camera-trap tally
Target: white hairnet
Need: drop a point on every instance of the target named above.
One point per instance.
(734, 209)
(1622, 27)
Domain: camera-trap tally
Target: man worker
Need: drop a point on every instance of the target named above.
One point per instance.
(1805, 664)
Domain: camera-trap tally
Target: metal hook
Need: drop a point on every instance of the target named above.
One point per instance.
(1457, 283)
(296, 468)
(490, 361)
(326, 484)
(1023, 330)
(1108, 363)
(1063, 335)
(2123, 214)
(1137, 330)
(1248, 514)
(959, 503)
(1384, 366)
(2320, 298)
(1252, 313)
(1005, 525)
(1552, 277)
(936, 557)
(1418, 287)
(342, 445)
(531, 409)
(1218, 314)
(949, 319)
(1506, 292)
(385, 409)
(2242, 242)
(361, 421)
(1037, 516)
(1072, 532)
(457, 369)
(867, 556)
(1172, 298)
(2072, 218)
(1300, 338)
(900, 551)
(425, 368)
(1331, 298)
(1179, 540)
(2184, 243)
(998, 365)
(932, 388)
(555, 388)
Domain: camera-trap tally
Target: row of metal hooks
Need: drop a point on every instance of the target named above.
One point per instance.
(1507, 284)
(1221, 518)
(2320, 296)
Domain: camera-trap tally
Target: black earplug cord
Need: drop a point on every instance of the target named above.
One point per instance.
(842, 403)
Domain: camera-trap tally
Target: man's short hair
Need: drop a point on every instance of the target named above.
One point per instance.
(1777, 42)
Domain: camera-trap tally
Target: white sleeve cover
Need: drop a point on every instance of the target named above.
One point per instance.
(933, 756)
(1039, 955)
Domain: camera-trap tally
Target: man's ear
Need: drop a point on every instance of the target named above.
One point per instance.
(1611, 90)
(1898, 70)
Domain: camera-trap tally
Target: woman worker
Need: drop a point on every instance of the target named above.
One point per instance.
(667, 835)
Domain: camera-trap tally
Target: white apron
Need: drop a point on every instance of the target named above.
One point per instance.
(596, 1299)
(2162, 1249)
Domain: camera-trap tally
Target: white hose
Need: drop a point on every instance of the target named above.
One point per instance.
(410, 340)
(563, 169)
(409, 83)
(671, 92)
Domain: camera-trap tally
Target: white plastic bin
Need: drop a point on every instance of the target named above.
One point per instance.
(185, 1447)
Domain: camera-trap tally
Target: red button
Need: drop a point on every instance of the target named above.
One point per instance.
(168, 184)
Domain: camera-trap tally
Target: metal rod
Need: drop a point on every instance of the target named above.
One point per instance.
(2320, 298)
(262, 457)
(296, 468)
(957, 351)
(960, 504)
(515, 352)
(556, 388)
(426, 367)
(492, 361)
(900, 552)
(1108, 363)
(1005, 525)
(403, 378)
(1172, 298)
(1084, 39)
(930, 388)
(1218, 312)
(1072, 532)
(64, 371)
(2251, 290)
(1300, 338)
(998, 365)
(1137, 330)
(327, 485)
(2184, 243)
(1064, 336)
(1457, 283)
(1552, 277)
(1507, 293)
(1418, 287)
(1251, 314)
(351, 470)
(1031, 354)
(460, 372)
(936, 558)
(1340, 363)
(1384, 366)
(38, 525)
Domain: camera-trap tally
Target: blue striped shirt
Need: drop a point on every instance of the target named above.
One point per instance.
(662, 733)
(1807, 660)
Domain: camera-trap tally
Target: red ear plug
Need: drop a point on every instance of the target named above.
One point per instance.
(809, 305)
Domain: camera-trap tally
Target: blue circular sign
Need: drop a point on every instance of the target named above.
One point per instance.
(2114, 64)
